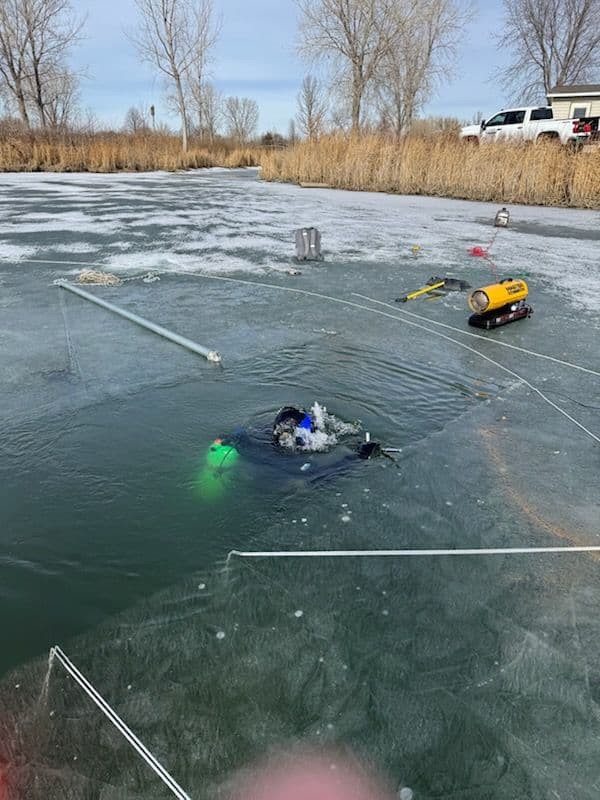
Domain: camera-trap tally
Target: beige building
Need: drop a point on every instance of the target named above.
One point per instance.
(581, 100)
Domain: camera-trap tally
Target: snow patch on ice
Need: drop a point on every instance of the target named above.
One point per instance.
(71, 221)
(15, 252)
(75, 247)
(170, 262)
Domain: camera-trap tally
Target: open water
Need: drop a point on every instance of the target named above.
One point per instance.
(457, 677)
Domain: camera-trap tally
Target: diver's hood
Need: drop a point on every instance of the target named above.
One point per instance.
(290, 428)
(288, 416)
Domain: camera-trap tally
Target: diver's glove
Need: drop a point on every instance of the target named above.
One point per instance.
(368, 450)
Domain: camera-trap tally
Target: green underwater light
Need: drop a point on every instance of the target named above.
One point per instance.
(213, 478)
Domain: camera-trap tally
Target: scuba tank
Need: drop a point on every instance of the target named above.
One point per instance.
(502, 218)
(308, 244)
(214, 477)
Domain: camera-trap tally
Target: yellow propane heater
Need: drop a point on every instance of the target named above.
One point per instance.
(499, 304)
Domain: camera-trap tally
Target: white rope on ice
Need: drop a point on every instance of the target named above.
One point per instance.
(516, 375)
(472, 551)
(112, 715)
(479, 336)
(74, 365)
(421, 317)
(372, 310)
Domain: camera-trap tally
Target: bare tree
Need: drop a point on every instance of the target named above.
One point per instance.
(292, 135)
(205, 104)
(13, 56)
(241, 118)
(87, 122)
(170, 38)
(426, 36)
(339, 110)
(352, 35)
(35, 38)
(61, 98)
(195, 103)
(311, 108)
(206, 34)
(136, 120)
(552, 41)
(209, 111)
(52, 29)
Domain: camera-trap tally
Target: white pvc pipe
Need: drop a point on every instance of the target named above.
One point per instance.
(210, 355)
(471, 551)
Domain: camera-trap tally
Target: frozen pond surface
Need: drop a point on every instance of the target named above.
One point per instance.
(459, 678)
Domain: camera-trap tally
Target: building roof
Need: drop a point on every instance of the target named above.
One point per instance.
(577, 88)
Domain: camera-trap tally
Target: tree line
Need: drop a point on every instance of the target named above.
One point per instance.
(35, 78)
(372, 63)
(176, 37)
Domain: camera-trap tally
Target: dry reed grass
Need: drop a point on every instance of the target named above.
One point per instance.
(115, 152)
(539, 174)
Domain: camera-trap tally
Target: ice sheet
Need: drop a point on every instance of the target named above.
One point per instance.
(215, 217)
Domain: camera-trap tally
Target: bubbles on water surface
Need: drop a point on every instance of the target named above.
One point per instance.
(327, 432)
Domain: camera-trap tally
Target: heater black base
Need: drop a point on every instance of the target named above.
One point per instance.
(501, 316)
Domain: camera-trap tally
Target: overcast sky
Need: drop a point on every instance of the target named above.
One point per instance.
(255, 58)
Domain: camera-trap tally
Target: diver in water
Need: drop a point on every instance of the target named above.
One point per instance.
(294, 432)
(291, 428)
(294, 429)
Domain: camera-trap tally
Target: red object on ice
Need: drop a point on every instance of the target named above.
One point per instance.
(310, 777)
(3, 784)
(478, 251)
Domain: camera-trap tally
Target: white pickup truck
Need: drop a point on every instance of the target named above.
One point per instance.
(529, 124)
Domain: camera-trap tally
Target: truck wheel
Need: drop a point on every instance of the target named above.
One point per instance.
(550, 136)
(471, 140)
